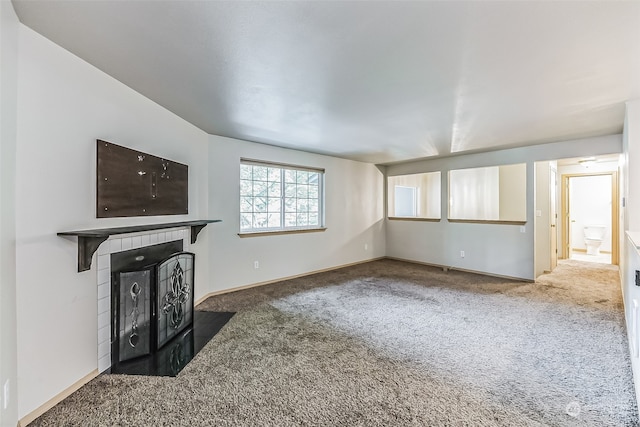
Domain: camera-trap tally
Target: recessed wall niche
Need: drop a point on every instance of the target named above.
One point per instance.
(495, 193)
(415, 196)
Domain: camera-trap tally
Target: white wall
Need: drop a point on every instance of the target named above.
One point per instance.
(632, 155)
(8, 128)
(353, 211)
(542, 239)
(629, 256)
(513, 200)
(64, 105)
(590, 199)
(474, 193)
(490, 248)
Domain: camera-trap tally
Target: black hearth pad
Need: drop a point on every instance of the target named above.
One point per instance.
(174, 356)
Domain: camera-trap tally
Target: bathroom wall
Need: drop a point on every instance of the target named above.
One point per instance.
(591, 201)
(590, 204)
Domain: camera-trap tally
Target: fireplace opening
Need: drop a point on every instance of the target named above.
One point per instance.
(152, 311)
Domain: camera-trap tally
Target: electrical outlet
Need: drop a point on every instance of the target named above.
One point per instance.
(461, 254)
(256, 264)
(366, 246)
(523, 229)
(637, 277)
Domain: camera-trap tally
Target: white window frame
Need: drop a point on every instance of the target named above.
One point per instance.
(282, 227)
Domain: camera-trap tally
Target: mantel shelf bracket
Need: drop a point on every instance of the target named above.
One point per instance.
(87, 246)
(195, 230)
(90, 240)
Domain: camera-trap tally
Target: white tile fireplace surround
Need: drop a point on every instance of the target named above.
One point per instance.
(120, 243)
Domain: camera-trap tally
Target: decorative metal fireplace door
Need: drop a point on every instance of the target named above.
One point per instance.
(151, 306)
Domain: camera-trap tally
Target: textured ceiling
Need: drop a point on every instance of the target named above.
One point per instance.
(373, 81)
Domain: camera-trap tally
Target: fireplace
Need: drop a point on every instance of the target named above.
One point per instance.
(152, 299)
(154, 329)
(117, 196)
(106, 243)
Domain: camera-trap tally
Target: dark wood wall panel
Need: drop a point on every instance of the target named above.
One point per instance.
(133, 183)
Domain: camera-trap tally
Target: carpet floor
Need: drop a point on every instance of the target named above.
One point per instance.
(392, 343)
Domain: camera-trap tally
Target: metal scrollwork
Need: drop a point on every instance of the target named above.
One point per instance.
(176, 297)
(134, 338)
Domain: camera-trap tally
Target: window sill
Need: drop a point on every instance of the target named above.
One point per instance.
(411, 218)
(281, 232)
(483, 221)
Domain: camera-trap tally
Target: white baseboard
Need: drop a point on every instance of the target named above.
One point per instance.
(446, 267)
(584, 251)
(30, 417)
(268, 282)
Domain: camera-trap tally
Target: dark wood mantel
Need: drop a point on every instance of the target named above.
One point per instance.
(89, 240)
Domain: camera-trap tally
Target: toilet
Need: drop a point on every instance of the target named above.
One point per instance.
(593, 235)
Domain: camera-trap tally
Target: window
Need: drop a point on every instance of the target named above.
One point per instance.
(275, 197)
(495, 193)
(415, 196)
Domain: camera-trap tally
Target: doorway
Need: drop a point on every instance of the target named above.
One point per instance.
(590, 217)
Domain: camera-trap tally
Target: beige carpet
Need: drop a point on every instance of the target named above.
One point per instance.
(392, 343)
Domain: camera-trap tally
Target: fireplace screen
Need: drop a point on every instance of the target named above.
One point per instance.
(135, 314)
(153, 299)
(174, 296)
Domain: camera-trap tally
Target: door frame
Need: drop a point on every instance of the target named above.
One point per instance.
(553, 216)
(566, 221)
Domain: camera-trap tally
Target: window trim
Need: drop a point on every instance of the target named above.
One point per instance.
(281, 232)
(254, 162)
(283, 229)
(488, 221)
(413, 218)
